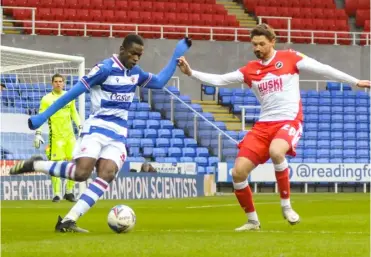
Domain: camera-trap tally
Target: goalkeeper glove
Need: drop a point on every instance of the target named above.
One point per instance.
(38, 140)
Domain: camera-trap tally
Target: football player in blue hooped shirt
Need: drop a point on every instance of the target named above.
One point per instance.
(112, 85)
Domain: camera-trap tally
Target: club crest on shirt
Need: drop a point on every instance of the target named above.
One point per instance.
(279, 65)
(93, 71)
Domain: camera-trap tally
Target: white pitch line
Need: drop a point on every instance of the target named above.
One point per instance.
(261, 231)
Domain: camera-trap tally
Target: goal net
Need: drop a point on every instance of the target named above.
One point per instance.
(26, 76)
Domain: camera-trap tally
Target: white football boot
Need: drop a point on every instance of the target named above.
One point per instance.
(290, 215)
(250, 225)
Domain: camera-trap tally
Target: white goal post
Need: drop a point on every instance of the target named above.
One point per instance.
(27, 76)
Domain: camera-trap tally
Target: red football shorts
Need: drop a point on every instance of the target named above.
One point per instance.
(255, 145)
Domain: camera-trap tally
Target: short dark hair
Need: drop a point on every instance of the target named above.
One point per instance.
(3, 85)
(57, 75)
(132, 39)
(263, 30)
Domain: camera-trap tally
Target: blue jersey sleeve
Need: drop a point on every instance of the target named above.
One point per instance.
(144, 77)
(97, 75)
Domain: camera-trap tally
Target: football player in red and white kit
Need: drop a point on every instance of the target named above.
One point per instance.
(274, 79)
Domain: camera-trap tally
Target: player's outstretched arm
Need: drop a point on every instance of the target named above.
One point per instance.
(159, 80)
(312, 65)
(214, 79)
(97, 75)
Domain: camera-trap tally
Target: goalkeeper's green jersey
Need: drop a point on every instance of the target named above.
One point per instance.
(60, 124)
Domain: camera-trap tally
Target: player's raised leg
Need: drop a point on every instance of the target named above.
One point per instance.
(242, 168)
(277, 151)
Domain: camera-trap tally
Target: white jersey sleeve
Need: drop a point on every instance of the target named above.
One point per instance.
(218, 79)
(309, 64)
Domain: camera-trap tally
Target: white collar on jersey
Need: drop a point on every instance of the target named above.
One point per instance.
(270, 59)
(117, 61)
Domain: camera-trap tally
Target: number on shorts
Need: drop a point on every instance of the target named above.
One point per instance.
(292, 130)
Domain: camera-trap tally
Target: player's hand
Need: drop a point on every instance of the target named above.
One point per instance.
(184, 66)
(364, 84)
(182, 47)
(38, 140)
(80, 130)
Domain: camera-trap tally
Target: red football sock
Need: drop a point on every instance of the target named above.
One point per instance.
(283, 182)
(244, 197)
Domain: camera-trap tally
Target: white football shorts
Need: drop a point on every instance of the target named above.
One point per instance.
(98, 146)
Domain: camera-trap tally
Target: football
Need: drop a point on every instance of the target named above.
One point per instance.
(121, 219)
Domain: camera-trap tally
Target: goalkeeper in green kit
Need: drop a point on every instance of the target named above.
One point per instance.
(61, 135)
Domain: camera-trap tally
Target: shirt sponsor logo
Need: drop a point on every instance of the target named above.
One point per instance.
(273, 85)
(121, 97)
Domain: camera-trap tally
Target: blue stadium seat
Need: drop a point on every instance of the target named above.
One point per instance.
(324, 109)
(159, 152)
(250, 100)
(296, 160)
(166, 124)
(214, 143)
(310, 126)
(185, 98)
(337, 118)
(213, 161)
(323, 153)
(363, 135)
(135, 133)
(148, 152)
(146, 142)
(150, 133)
(362, 127)
(337, 102)
(133, 142)
(201, 161)
(349, 119)
(237, 100)
(336, 160)
(241, 135)
(310, 143)
(336, 153)
(159, 98)
(350, 135)
(153, 124)
(310, 153)
(310, 135)
(312, 109)
(349, 94)
(362, 95)
(205, 142)
(232, 134)
(133, 107)
(323, 135)
(336, 144)
(323, 160)
(363, 160)
(321, 102)
(229, 153)
(362, 118)
(312, 101)
(336, 135)
(351, 153)
(239, 92)
(220, 125)
(362, 110)
(350, 127)
(309, 160)
(186, 159)
(154, 116)
(225, 100)
(225, 92)
(210, 170)
(349, 160)
(131, 115)
(324, 94)
(171, 160)
(204, 134)
(349, 102)
(363, 144)
(177, 133)
(362, 153)
(139, 124)
(312, 93)
(324, 126)
(362, 102)
(337, 110)
(162, 142)
(164, 133)
(176, 142)
(196, 107)
(209, 116)
(311, 118)
(173, 89)
(336, 94)
(349, 144)
(190, 142)
(175, 152)
(202, 152)
(227, 143)
(134, 151)
(201, 170)
(180, 116)
(181, 124)
(303, 93)
(189, 152)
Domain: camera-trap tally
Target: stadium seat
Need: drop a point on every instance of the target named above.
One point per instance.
(178, 133)
(175, 152)
(202, 152)
(189, 152)
(153, 124)
(186, 159)
(201, 161)
(162, 142)
(150, 133)
(146, 142)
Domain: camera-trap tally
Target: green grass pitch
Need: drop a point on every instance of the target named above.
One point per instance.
(332, 225)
